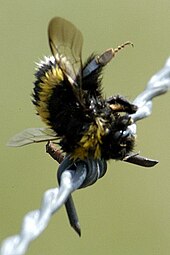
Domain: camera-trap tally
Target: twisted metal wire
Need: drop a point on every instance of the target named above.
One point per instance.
(36, 221)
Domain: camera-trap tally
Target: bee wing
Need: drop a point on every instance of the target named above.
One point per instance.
(32, 135)
(66, 40)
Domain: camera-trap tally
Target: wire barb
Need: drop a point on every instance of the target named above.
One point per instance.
(71, 179)
(139, 160)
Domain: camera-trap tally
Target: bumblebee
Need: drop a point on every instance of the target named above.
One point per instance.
(68, 97)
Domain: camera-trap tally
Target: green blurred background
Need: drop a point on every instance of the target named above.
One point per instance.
(128, 211)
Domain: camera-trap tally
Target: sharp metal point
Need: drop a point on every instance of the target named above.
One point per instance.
(72, 215)
(77, 228)
(140, 160)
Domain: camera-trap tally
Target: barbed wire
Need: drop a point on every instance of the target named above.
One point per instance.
(70, 179)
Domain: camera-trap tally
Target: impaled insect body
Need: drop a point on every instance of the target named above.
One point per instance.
(68, 97)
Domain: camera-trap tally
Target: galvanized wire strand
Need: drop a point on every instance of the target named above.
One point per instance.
(36, 221)
(158, 84)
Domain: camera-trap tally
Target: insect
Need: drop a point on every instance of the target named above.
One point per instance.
(68, 97)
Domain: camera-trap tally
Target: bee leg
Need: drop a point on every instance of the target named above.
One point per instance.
(121, 104)
(55, 153)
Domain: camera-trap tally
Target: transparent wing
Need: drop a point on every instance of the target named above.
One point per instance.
(32, 135)
(66, 40)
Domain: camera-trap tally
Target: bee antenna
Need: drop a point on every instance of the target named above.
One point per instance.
(107, 56)
(122, 46)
